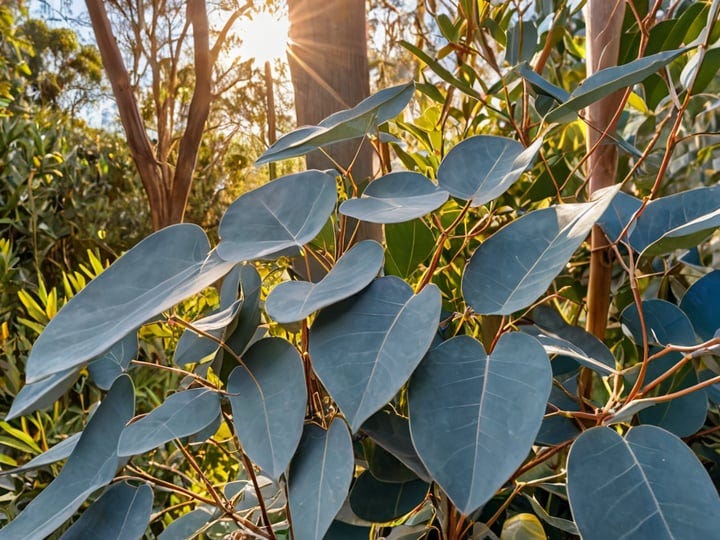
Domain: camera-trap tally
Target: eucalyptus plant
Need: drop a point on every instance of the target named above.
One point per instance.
(428, 386)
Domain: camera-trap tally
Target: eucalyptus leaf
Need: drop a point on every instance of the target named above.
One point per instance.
(665, 323)
(121, 513)
(481, 168)
(91, 466)
(395, 198)
(487, 408)
(156, 274)
(703, 313)
(43, 393)
(507, 273)
(606, 81)
(381, 502)
(114, 362)
(618, 214)
(267, 394)
(648, 484)
(182, 414)
(343, 125)
(292, 301)
(365, 348)
(285, 213)
(319, 479)
(60, 451)
(190, 524)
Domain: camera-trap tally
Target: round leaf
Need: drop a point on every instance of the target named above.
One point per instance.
(286, 213)
(319, 479)
(482, 168)
(294, 300)
(647, 485)
(395, 198)
(366, 347)
(473, 417)
(508, 273)
(268, 397)
(701, 306)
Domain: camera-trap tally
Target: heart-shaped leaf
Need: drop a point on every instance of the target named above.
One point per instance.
(114, 362)
(292, 301)
(319, 479)
(648, 484)
(343, 125)
(366, 347)
(286, 213)
(156, 274)
(91, 466)
(665, 323)
(121, 513)
(489, 409)
(608, 80)
(396, 197)
(704, 314)
(268, 397)
(182, 414)
(482, 168)
(507, 273)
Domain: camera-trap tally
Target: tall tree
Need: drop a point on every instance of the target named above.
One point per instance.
(159, 32)
(329, 67)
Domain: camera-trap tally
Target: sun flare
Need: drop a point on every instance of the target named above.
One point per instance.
(264, 37)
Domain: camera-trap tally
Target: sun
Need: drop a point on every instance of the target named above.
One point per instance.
(264, 37)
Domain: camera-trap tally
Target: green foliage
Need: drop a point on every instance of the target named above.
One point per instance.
(458, 395)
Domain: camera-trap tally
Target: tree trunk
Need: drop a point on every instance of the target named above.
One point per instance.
(603, 27)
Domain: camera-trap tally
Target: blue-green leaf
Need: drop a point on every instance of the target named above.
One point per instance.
(189, 525)
(665, 323)
(396, 197)
(292, 301)
(608, 80)
(121, 513)
(268, 221)
(677, 221)
(182, 414)
(319, 479)
(343, 125)
(193, 347)
(381, 502)
(541, 84)
(473, 417)
(114, 362)
(163, 269)
(701, 306)
(616, 217)
(366, 347)
(482, 168)
(392, 432)
(91, 466)
(647, 485)
(60, 451)
(268, 398)
(507, 273)
(43, 393)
